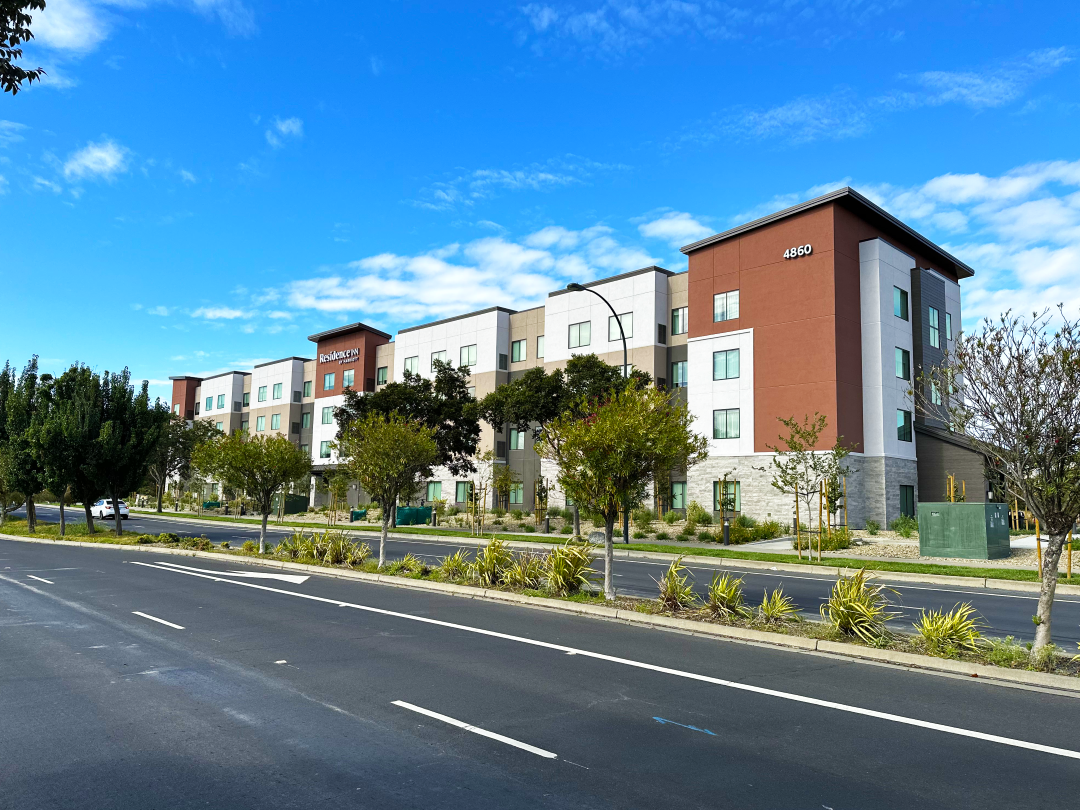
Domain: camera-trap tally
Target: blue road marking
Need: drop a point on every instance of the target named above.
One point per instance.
(662, 721)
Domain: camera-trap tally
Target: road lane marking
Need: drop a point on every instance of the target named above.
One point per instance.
(156, 619)
(292, 579)
(743, 687)
(39, 579)
(532, 749)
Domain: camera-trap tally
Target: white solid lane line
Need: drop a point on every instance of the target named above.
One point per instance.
(39, 579)
(293, 579)
(744, 687)
(156, 619)
(532, 749)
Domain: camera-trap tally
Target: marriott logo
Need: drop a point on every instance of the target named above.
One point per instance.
(344, 356)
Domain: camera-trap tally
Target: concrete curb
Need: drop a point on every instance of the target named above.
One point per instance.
(740, 634)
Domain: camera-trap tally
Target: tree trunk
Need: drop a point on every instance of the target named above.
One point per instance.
(116, 515)
(382, 536)
(31, 514)
(89, 518)
(63, 522)
(160, 495)
(1049, 575)
(609, 557)
(262, 533)
(577, 521)
(626, 524)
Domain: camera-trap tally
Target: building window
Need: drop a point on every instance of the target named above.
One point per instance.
(732, 500)
(245, 425)
(903, 364)
(468, 355)
(948, 326)
(197, 408)
(176, 409)
(262, 393)
(500, 449)
(678, 321)
(678, 494)
(209, 404)
(439, 356)
(580, 334)
(412, 365)
(899, 303)
(540, 347)
(307, 388)
(328, 416)
(935, 393)
(725, 423)
(295, 427)
(328, 381)
(220, 426)
(324, 449)
(678, 374)
(935, 328)
(296, 397)
(236, 407)
(260, 424)
(347, 377)
(661, 334)
(725, 306)
(381, 375)
(503, 364)
(903, 425)
(725, 365)
(517, 439)
(277, 390)
(461, 492)
(517, 492)
(305, 420)
(275, 421)
(305, 448)
(517, 351)
(220, 401)
(627, 321)
(472, 391)
(247, 398)
(907, 500)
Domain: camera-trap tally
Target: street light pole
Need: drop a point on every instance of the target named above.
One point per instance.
(574, 287)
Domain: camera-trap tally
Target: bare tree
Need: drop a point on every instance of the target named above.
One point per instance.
(1013, 388)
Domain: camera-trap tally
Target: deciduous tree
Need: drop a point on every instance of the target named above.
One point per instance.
(172, 455)
(19, 463)
(14, 31)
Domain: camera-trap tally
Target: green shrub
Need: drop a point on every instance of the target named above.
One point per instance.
(857, 608)
(1044, 659)
(639, 535)
(695, 513)
(725, 597)
(566, 529)
(643, 517)
(671, 516)
(768, 530)
(250, 547)
(491, 562)
(515, 514)
(568, 569)
(145, 539)
(777, 608)
(616, 532)
(676, 591)
(342, 551)
(528, 527)
(527, 571)
(689, 528)
(455, 566)
(905, 526)
(201, 544)
(834, 540)
(223, 544)
(682, 537)
(498, 511)
(409, 564)
(738, 534)
(1007, 652)
(946, 633)
(872, 527)
(705, 535)
(663, 536)
(745, 521)
(168, 537)
(567, 513)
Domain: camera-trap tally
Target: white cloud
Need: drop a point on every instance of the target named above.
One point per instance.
(69, 25)
(3, 184)
(158, 310)
(187, 176)
(993, 87)
(47, 185)
(221, 313)
(104, 159)
(237, 18)
(10, 132)
(461, 278)
(676, 228)
(284, 129)
(279, 314)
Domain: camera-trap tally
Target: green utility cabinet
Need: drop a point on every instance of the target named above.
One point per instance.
(294, 504)
(357, 514)
(413, 515)
(970, 531)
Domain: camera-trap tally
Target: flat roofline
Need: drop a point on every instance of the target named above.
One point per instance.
(185, 377)
(457, 318)
(352, 327)
(226, 374)
(650, 269)
(849, 198)
(282, 360)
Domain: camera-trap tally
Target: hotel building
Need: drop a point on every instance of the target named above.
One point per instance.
(832, 306)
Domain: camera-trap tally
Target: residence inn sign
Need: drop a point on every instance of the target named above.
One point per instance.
(344, 356)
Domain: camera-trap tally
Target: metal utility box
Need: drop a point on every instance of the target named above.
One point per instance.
(413, 515)
(970, 531)
(357, 514)
(294, 504)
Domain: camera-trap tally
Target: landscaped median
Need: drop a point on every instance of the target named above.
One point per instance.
(852, 626)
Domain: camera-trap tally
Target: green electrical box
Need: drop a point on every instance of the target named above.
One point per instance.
(294, 504)
(970, 531)
(413, 515)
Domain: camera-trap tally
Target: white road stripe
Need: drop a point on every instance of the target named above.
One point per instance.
(293, 579)
(156, 619)
(532, 749)
(744, 687)
(39, 579)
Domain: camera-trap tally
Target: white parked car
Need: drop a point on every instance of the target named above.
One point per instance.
(103, 510)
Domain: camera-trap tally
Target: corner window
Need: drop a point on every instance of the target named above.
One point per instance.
(903, 425)
(678, 321)
(260, 424)
(899, 303)
(726, 423)
(305, 420)
(439, 356)
(678, 374)
(468, 355)
(935, 327)
(347, 378)
(517, 439)
(262, 393)
(580, 334)
(209, 403)
(275, 421)
(725, 365)
(324, 449)
(328, 416)
(627, 321)
(903, 364)
(277, 390)
(540, 347)
(725, 306)
(328, 381)
(381, 375)
(307, 388)
(517, 351)
(247, 398)
(220, 401)
(678, 494)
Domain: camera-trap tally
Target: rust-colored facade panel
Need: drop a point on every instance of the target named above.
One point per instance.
(851, 230)
(766, 245)
(183, 394)
(792, 400)
(350, 350)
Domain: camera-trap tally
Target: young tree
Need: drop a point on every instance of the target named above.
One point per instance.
(443, 404)
(19, 463)
(260, 466)
(607, 457)
(172, 455)
(1013, 389)
(14, 31)
(503, 479)
(388, 455)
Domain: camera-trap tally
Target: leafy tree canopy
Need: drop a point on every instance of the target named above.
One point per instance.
(14, 31)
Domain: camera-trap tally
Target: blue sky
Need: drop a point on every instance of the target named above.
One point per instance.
(200, 184)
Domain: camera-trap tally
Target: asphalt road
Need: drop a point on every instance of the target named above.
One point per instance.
(129, 681)
(1005, 614)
